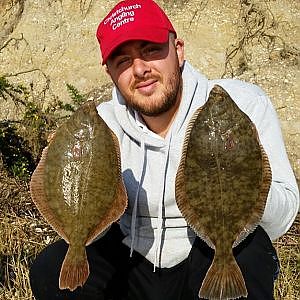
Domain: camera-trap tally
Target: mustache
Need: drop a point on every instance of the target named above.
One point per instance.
(137, 82)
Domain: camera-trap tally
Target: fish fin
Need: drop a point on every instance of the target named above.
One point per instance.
(75, 269)
(181, 197)
(225, 282)
(39, 197)
(188, 213)
(249, 228)
(259, 208)
(180, 194)
(51, 136)
(198, 229)
(119, 205)
(116, 211)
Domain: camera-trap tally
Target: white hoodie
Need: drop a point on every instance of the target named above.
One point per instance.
(152, 223)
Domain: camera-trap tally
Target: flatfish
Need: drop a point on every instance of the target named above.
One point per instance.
(78, 188)
(222, 185)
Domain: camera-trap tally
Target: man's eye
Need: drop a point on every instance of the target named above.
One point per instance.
(122, 61)
(151, 50)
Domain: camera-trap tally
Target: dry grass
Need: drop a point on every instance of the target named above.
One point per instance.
(288, 248)
(23, 234)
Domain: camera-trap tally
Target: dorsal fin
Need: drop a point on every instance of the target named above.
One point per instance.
(38, 196)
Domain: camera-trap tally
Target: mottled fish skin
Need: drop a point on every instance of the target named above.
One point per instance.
(78, 187)
(222, 185)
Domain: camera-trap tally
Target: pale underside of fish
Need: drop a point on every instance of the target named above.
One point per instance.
(222, 184)
(78, 188)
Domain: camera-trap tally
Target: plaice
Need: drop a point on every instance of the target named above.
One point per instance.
(78, 188)
(222, 185)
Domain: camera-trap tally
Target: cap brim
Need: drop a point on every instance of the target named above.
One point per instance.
(160, 35)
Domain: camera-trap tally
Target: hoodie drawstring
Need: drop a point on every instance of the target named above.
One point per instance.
(158, 238)
(134, 211)
(158, 235)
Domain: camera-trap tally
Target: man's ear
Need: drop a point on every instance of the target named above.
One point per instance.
(106, 70)
(179, 46)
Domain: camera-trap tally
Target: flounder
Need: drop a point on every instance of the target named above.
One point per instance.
(78, 188)
(222, 185)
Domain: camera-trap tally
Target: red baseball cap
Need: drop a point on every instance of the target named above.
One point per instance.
(133, 20)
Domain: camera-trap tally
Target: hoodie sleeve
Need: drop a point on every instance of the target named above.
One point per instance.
(283, 199)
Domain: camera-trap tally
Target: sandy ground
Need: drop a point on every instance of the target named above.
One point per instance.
(53, 42)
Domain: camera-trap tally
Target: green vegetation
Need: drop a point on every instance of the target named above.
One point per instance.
(23, 138)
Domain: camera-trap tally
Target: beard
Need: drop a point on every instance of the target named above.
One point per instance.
(157, 103)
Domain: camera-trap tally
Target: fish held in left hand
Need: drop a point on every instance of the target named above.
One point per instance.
(78, 188)
(222, 186)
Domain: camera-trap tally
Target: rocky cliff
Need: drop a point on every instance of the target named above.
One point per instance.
(45, 44)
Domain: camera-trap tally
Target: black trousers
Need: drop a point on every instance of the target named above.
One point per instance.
(116, 276)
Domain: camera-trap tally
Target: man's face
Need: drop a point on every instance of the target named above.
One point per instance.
(148, 74)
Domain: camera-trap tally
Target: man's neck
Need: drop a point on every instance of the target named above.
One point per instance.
(162, 123)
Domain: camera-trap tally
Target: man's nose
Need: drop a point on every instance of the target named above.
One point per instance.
(140, 67)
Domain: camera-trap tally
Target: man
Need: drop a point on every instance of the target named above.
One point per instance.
(153, 254)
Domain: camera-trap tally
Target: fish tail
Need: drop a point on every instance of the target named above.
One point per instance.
(75, 269)
(223, 282)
